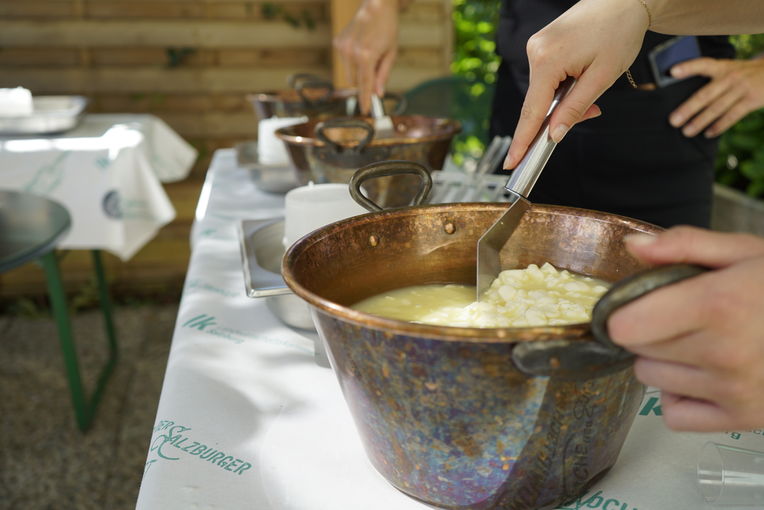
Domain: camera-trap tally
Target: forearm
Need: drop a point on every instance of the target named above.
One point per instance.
(706, 17)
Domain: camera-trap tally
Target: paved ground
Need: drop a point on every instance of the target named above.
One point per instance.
(45, 462)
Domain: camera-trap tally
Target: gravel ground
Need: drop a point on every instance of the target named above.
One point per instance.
(45, 461)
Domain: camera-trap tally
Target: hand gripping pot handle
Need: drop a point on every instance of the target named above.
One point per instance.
(386, 169)
(576, 359)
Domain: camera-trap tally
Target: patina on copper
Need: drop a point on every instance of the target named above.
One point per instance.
(331, 150)
(443, 413)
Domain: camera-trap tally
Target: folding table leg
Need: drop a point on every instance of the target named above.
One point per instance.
(84, 407)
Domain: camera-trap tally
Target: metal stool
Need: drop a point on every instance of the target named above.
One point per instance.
(30, 229)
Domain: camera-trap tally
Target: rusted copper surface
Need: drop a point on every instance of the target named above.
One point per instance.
(443, 413)
(425, 140)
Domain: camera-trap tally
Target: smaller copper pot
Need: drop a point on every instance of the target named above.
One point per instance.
(331, 150)
(307, 95)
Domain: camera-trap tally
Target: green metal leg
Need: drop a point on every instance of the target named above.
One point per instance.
(84, 408)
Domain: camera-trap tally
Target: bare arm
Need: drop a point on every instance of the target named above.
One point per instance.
(706, 17)
(597, 40)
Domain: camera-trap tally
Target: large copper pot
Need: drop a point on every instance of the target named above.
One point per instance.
(331, 150)
(443, 412)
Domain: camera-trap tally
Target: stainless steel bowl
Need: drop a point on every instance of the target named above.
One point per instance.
(51, 114)
(261, 253)
(273, 179)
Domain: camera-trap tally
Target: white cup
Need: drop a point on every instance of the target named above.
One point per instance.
(272, 150)
(310, 207)
(729, 476)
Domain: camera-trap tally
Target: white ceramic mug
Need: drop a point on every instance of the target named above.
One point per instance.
(310, 207)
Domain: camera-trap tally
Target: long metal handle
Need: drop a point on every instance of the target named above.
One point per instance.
(526, 174)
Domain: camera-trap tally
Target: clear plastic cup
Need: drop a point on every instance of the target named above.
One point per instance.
(729, 476)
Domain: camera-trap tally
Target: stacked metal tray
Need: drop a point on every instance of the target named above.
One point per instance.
(50, 115)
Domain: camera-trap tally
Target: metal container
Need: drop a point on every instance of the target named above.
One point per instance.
(332, 150)
(307, 95)
(444, 413)
(270, 178)
(261, 247)
(50, 115)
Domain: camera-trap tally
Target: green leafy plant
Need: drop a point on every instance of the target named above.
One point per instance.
(176, 57)
(273, 11)
(475, 59)
(740, 161)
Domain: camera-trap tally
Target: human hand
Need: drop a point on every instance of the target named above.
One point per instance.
(594, 41)
(700, 340)
(735, 90)
(368, 46)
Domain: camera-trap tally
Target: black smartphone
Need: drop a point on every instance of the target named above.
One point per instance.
(669, 53)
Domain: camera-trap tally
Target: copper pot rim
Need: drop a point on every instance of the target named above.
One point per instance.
(292, 96)
(578, 331)
(450, 127)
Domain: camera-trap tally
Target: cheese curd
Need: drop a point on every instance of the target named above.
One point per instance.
(535, 296)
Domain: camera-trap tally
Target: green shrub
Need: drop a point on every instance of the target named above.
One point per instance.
(475, 59)
(740, 162)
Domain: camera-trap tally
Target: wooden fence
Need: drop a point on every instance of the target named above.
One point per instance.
(192, 63)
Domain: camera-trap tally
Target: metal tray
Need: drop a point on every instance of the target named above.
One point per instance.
(51, 114)
(261, 253)
(273, 179)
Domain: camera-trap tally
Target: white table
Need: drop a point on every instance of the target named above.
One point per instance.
(247, 420)
(107, 172)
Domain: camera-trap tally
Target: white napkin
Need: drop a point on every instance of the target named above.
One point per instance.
(15, 102)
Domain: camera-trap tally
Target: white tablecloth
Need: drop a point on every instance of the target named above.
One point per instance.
(107, 172)
(247, 420)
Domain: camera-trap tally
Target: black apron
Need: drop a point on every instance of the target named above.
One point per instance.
(629, 161)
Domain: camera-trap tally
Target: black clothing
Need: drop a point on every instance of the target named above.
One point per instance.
(629, 161)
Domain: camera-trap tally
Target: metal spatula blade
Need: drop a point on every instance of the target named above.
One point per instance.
(383, 124)
(519, 185)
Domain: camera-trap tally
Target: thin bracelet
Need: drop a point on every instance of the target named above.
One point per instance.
(649, 24)
(649, 14)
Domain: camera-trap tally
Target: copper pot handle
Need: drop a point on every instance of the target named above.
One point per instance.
(302, 81)
(341, 122)
(386, 169)
(634, 287)
(576, 359)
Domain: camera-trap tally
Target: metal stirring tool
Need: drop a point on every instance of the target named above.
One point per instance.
(519, 185)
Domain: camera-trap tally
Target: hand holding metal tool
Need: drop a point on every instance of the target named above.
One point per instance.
(519, 186)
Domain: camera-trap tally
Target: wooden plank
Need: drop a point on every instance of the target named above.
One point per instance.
(172, 103)
(151, 80)
(25, 9)
(403, 78)
(273, 56)
(214, 34)
(144, 9)
(197, 34)
(38, 57)
(147, 10)
(213, 124)
(341, 13)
